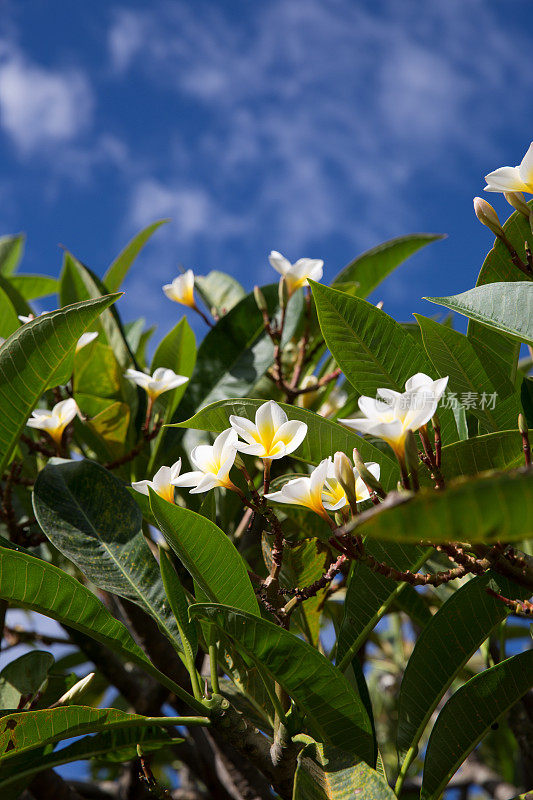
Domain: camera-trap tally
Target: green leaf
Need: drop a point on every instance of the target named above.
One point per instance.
(506, 307)
(219, 291)
(326, 773)
(324, 437)
(22, 732)
(9, 321)
(78, 282)
(118, 270)
(335, 712)
(32, 287)
(499, 267)
(453, 354)
(23, 677)
(491, 508)
(116, 746)
(373, 266)
(177, 351)
(11, 249)
(178, 603)
(39, 586)
(31, 357)
(207, 553)
(447, 642)
(369, 595)
(468, 715)
(493, 451)
(371, 348)
(92, 519)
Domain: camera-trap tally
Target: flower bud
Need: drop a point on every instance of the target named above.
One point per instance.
(344, 473)
(522, 425)
(283, 292)
(77, 692)
(306, 399)
(487, 216)
(365, 474)
(518, 202)
(260, 300)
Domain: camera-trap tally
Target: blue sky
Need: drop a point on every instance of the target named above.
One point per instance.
(314, 127)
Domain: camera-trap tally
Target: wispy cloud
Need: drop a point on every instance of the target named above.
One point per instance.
(322, 116)
(40, 106)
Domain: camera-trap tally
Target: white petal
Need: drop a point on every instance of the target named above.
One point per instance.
(188, 479)
(175, 470)
(224, 445)
(291, 433)
(142, 486)
(505, 179)
(252, 449)
(203, 458)
(208, 482)
(268, 418)
(318, 477)
(161, 478)
(373, 409)
(65, 410)
(279, 262)
(418, 380)
(526, 167)
(374, 469)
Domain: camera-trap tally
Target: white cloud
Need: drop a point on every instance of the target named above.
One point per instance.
(125, 38)
(40, 106)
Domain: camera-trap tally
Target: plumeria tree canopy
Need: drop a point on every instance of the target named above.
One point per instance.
(291, 560)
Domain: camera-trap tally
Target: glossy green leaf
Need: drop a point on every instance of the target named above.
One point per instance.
(468, 715)
(499, 267)
(32, 287)
(506, 307)
(373, 266)
(120, 267)
(207, 553)
(23, 677)
(178, 603)
(177, 351)
(115, 746)
(447, 642)
(22, 732)
(219, 291)
(335, 712)
(31, 357)
(493, 451)
(326, 773)
(39, 586)
(11, 250)
(324, 437)
(371, 348)
(490, 508)
(369, 595)
(78, 282)
(9, 321)
(453, 354)
(92, 519)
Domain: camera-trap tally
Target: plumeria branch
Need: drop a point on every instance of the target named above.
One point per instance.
(518, 607)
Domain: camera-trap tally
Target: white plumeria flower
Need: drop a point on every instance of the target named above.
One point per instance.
(161, 483)
(85, 339)
(272, 435)
(334, 497)
(296, 274)
(393, 414)
(213, 464)
(513, 179)
(55, 421)
(163, 380)
(181, 290)
(305, 491)
(334, 402)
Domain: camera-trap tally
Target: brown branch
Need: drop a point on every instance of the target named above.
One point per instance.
(518, 607)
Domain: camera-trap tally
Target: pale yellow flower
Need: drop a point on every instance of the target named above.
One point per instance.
(272, 435)
(163, 380)
(161, 483)
(213, 464)
(181, 290)
(513, 179)
(55, 421)
(296, 274)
